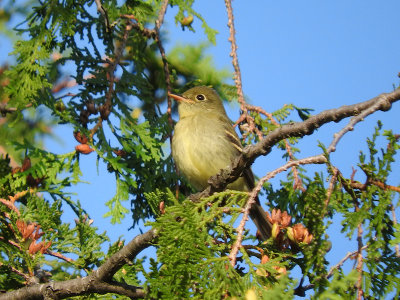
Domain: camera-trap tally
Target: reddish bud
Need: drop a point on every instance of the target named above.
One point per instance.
(28, 230)
(45, 247)
(162, 207)
(81, 138)
(37, 235)
(120, 153)
(299, 234)
(56, 56)
(264, 259)
(35, 247)
(283, 219)
(20, 225)
(83, 148)
(26, 164)
(308, 239)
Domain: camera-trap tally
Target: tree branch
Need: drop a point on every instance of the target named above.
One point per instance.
(103, 12)
(219, 182)
(233, 54)
(99, 281)
(318, 159)
(343, 260)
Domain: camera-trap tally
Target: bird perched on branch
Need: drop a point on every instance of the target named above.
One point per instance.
(205, 142)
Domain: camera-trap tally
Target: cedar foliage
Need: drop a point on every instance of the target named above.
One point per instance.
(114, 98)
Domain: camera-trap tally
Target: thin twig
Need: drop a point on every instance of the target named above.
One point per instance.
(10, 205)
(363, 186)
(167, 79)
(59, 255)
(219, 182)
(343, 260)
(20, 195)
(240, 229)
(16, 271)
(149, 33)
(319, 159)
(233, 54)
(377, 105)
(11, 242)
(244, 106)
(103, 12)
(161, 14)
(159, 22)
(314, 159)
(11, 202)
(331, 187)
(107, 106)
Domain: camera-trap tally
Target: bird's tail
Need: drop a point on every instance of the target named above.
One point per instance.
(259, 217)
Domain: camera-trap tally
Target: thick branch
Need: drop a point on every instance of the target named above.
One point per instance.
(126, 254)
(99, 281)
(218, 182)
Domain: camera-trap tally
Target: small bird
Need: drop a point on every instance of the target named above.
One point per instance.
(205, 142)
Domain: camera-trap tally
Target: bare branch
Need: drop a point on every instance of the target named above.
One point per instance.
(129, 252)
(59, 255)
(18, 272)
(99, 281)
(319, 159)
(245, 107)
(331, 187)
(161, 14)
(107, 106)
(218, 182)
(366, 108)
(159, 22)
(238, 242)
(363, 186)
(233, 54)
(149, 33)
(103, 12)
(343, 260)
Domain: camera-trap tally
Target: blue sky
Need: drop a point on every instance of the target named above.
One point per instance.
(315, 54)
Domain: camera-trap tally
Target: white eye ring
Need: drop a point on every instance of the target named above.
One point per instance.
(200, 97)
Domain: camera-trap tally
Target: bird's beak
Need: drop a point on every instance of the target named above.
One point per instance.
(180, 98)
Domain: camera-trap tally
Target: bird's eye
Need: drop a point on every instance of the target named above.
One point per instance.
(200, 97)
